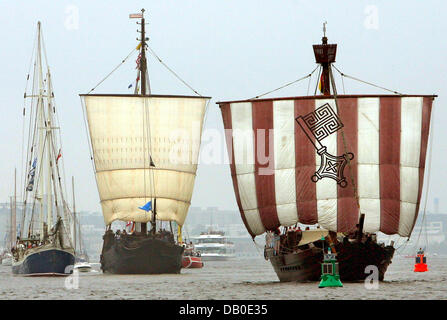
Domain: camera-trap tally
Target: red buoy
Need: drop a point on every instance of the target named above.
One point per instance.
(421, 262)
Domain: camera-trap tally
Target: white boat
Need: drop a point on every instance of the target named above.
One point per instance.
(213, 245)
(43, 244)
(83, 266)
(7, 260)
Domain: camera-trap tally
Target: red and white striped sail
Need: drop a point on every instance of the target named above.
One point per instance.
(272, 161)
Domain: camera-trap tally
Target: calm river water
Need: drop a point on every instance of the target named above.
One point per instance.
(241, 278)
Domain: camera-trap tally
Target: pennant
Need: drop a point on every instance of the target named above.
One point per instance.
(130, 224)
(147, 207)
(320, 84)
(59, 155)
(138, 61)
(31, 176)
(151, 163)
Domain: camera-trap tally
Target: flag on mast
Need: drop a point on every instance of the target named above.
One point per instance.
(135, 16)
(147, 207)
(31, 176)
(320, 84)
(58, 155)
(130, 225)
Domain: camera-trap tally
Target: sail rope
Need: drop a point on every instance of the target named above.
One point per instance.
(151, 51)
(24, 114)
(401, 248)
(110, 73)
(90, 147)
(40, 116)
(308, 86)
(52, 100)
(27, 165)
(318, 79)
(84, 113)
(424, 221)
(36, 185)
(286, 85)
(369, 83)
(147, 135)
(345, 146)
(343, 83)
(53, 150)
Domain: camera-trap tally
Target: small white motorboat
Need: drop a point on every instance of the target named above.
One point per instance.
(7, 260)
(83, 266)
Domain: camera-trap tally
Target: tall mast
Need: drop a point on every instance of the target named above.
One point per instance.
(41, 129)
(14, 213)
(325, 55)
(144, 80)
(48, 150)
(74, 214)
(145, 87)
(8, 239)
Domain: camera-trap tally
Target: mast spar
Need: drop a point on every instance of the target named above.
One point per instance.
(74, 214)
(325, 56)
(142, 68)
(145, 89)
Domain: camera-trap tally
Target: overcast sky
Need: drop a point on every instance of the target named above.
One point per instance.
(226, 49)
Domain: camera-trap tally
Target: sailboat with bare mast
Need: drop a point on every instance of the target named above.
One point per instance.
(44, 245)
(144, 150)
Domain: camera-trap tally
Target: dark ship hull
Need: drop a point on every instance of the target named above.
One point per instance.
(353, 259)
(140, 254)
(45, 262)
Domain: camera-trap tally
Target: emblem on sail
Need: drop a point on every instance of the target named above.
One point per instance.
(318, 125)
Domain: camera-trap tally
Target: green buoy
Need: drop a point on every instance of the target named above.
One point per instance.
(329, 271)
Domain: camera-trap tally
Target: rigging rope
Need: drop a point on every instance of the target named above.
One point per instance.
(52, 109)
(424, 222)
(122, 62)
(286, 85)
(308, 85)
(23, 164)
(318, 80)
(90, 147)
(172, 71)
(371, 84)
(345, 146)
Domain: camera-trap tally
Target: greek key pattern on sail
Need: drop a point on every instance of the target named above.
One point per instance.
(322, 122)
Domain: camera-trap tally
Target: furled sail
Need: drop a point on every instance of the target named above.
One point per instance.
(304, 160)
(145, 147)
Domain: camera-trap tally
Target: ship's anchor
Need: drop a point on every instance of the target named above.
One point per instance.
(320, 124)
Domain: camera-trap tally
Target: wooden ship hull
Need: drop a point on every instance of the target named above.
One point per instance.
(137, 129)
(45, 261)
(353, 258)
(352, 165)
(140, 254)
